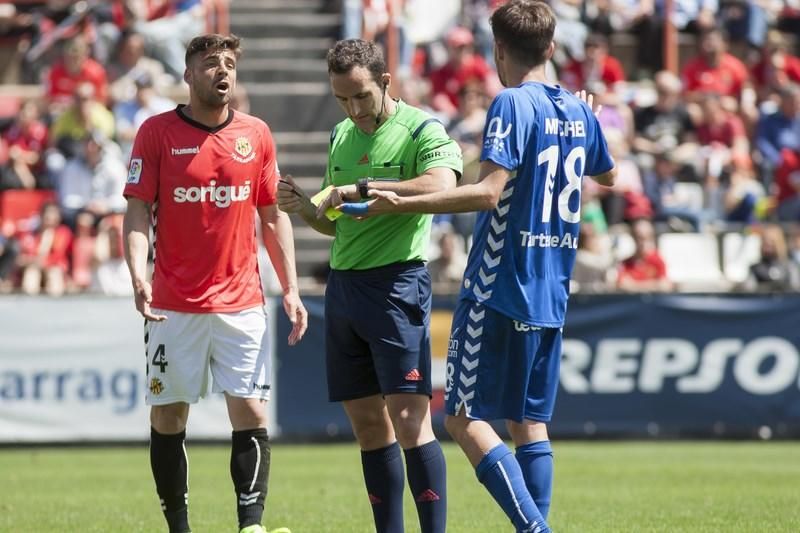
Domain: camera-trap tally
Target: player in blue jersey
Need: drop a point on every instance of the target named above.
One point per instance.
(505, 344)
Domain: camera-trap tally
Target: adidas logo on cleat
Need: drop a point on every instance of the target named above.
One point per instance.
(413, 375)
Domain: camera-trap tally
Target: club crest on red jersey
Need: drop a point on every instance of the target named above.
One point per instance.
(244, 150)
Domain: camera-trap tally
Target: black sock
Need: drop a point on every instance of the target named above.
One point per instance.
(170, 471)
(383, 475)
(427, 478)
(250, 457)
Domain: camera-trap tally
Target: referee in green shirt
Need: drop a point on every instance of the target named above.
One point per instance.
(378, 296)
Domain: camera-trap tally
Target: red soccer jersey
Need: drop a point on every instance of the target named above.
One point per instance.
(205, 184)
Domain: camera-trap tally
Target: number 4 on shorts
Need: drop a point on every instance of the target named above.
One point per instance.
(160, 358)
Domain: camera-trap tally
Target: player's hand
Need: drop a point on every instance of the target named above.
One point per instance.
(143, 295)
(383, 202)
(589, 99)
(291, 198)
(338, 196)
(297, 314)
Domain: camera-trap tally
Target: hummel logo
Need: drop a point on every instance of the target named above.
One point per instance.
(428, 496)
(186, 151)
(413, 375)
(364, 160)
(374, 500)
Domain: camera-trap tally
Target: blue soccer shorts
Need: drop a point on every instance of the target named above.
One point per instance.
(377, 331)
(500, 368)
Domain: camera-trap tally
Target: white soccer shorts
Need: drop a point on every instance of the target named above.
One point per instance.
(185, 348)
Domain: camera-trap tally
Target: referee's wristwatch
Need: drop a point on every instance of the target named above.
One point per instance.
(363, 187)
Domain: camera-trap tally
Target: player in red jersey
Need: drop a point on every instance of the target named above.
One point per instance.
(199, 173)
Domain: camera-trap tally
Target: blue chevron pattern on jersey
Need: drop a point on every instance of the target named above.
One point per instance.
(524, 249)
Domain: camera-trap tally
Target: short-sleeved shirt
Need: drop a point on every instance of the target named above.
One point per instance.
(61, 84)
(523, 251)
(727, 78)
(407, 145)
(450, 80)
(205, 184)
(648, 268)
(575, 76)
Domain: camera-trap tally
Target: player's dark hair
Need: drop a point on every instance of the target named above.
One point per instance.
(350, 53)
(525, 27)
(213, 41)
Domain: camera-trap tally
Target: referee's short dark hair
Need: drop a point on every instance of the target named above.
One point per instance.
(525, 28)
(350, 53)
(213, 41)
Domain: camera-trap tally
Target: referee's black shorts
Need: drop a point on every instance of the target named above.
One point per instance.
(377, 331)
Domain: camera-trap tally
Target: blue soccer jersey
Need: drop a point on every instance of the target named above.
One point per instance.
(524, 250)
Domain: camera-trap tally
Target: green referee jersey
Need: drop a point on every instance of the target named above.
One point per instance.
(408, 144)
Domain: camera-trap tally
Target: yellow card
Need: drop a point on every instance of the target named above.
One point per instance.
(330, 213)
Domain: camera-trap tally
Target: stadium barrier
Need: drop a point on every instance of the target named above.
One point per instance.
(72, 370)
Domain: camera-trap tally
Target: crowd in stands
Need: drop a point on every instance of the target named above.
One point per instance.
(708, 157)
(105, 67)
(708, 194)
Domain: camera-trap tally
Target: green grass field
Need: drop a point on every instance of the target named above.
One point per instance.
(600, 487)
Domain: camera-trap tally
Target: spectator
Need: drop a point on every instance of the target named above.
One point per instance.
(74, 69)
(13, 174)
(27, 140)
(666, 126)
(93, 180)
(593, 262)
(615, 113)
(787, 187)
(84, 116)
(130, 114)
(626, 201)
(448, 269)
(645, 270)
(169, 28)
(779, 130)
(463, 66)
(776, 66)
(660, 184)
(571, 31)
(714, 70)
(111, 275)
(721, 133)
(691, 16)
(130, 64)
(83, 244)
(467, 127)
(9, 250)
(596, 66)
(774, 271)
(745, 21)
(44, 256)
(735, 195)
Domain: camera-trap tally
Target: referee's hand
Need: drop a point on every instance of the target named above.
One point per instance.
(143, 295)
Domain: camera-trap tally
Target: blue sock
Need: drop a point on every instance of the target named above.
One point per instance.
(427, 478)
(536, 461)
(383, 475)
(500, 474)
